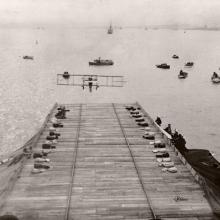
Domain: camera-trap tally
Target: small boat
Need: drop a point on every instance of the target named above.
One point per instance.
(175, 56)
(208, 168)
(182, 75)
(163, 66)
(28, 57)
(110, 29)
(215, 78)
(189, 64)
(100, 62)
(66, 75)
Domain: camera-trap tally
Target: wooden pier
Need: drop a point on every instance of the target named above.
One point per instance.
(102, 169)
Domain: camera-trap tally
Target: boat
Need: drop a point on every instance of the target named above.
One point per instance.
(110, 29)
(204, 167)
(163, 66)
(66, 75)
(182, 75)
(205, 164)
(175, 56)
(215, 78)
(208, 169)
(100, 62)
(189, 64)
(28, 57)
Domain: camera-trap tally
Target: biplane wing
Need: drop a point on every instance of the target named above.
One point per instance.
(84, 80)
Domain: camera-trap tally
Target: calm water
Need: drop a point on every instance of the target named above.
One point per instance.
(28, 88)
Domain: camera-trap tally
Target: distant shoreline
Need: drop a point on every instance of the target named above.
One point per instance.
(146, 28)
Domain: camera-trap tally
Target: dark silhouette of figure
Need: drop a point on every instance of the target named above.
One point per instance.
(175, 136)
(215, 75)
(179, 142)
(158, 121)
(168, 129)
(90, 86)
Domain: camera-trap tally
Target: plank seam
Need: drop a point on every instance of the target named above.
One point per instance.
(73, 168)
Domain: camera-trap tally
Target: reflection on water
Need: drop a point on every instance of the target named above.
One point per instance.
(28, 88)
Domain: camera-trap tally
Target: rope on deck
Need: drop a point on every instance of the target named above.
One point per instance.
(136, 167)
(73, 168)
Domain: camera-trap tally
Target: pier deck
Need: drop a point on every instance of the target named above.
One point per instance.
(103, 169)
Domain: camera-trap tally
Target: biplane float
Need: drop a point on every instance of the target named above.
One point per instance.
(90, 81)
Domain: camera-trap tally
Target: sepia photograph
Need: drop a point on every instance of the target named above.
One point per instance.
(109, 110)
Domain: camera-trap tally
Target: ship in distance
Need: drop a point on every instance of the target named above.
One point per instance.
(100, 62)
(110, 29)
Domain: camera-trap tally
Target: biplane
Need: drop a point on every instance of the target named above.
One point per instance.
(91, 81)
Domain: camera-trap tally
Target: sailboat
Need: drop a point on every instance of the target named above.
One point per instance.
(110, 29)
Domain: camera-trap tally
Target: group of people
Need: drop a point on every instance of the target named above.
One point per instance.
(177, 138)
(179, 142)
(41, 162)
(167, 129)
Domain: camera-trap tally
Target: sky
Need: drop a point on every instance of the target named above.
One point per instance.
(119, 12)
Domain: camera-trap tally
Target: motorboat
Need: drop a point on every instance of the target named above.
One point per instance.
(175, 56)
(203, 162)
(28, 57)
(100, 62)
(215, 78)
(208, 169)
(182, 75)
(189, 64)
(163, 66)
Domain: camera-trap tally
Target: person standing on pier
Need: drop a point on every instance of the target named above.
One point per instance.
(168, 129)
(158, 121)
